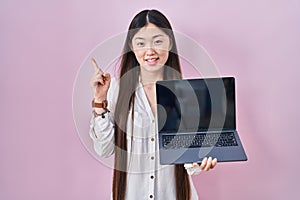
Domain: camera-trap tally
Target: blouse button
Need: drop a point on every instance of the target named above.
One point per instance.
(152, 157)
(151, 196)
(152, 139)
(152, 177)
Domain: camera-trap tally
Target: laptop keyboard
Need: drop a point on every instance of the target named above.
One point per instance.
(199, 140)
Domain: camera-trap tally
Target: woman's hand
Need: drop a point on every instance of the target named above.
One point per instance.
(206, 165)
(100, 83)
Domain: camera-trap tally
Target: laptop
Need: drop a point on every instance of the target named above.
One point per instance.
(197, 119)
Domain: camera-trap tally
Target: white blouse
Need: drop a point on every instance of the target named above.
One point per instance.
(146, 178)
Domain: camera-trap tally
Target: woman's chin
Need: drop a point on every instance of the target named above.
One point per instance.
(152, 68)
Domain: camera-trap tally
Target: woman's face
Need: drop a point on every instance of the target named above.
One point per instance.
(151, 48)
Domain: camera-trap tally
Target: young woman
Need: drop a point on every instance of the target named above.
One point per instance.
(124, 120)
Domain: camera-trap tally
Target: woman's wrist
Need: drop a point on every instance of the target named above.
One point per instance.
(100, 108)
(100, 99)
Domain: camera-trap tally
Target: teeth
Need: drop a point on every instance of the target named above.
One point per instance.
(151, 60)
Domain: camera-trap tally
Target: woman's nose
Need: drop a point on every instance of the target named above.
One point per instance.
(150, 51)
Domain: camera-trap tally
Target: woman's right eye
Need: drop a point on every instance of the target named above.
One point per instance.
(140, 44)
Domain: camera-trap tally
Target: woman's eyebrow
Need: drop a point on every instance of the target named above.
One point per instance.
(155, 36)
(159, 35)
(139, 38)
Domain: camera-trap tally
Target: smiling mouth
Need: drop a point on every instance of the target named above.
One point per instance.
(151, 60)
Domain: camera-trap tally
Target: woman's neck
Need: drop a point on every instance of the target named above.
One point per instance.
(150, 78)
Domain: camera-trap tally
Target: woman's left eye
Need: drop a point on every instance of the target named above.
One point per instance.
(158, 42)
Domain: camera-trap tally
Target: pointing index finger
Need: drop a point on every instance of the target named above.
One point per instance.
(96, 67)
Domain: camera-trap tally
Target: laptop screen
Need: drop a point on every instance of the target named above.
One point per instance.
(196, 104)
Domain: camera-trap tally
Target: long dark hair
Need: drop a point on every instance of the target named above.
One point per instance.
(129, 77)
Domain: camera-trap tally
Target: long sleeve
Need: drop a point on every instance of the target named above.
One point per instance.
(102, 129)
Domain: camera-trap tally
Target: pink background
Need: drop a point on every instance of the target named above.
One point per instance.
(43, 44)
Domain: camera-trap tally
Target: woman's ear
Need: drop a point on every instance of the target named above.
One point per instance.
(130, 44)
(171, 44)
